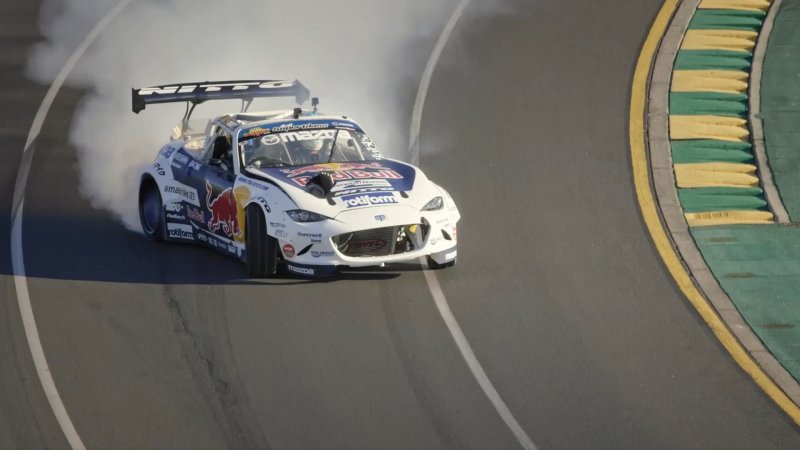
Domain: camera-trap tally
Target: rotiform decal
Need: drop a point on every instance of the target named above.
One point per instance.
(373, 199)
(178, 231)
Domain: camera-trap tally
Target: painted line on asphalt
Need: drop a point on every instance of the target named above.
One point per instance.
(17, 260)
(644, 194)
(430, 277)
(473, 363)
(425, 82)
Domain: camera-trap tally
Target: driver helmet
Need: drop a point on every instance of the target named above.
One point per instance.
(312, 145)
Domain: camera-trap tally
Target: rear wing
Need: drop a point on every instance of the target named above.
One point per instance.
(196, 93)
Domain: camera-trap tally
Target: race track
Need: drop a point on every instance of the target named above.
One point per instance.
(558, 289)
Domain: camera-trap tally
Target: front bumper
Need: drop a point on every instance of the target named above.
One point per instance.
(324, 243)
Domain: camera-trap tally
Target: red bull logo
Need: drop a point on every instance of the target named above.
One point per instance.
(343, 171)
(223, 212)
(330, 167)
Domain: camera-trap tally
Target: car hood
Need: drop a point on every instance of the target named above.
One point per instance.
(382, 183)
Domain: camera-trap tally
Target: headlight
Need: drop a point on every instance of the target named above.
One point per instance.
(434, 205)
(301, 215)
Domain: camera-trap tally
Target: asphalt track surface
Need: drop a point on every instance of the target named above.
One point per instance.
(558, 289)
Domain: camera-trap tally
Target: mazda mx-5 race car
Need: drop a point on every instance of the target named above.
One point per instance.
(295, 187)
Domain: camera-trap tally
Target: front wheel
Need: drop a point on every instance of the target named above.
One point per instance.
(261, 249)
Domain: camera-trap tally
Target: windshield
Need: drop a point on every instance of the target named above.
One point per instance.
(307, 147)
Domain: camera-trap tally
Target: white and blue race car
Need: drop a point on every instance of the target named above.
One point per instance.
(296, 187)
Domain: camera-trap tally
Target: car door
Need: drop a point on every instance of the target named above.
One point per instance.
(219, 200)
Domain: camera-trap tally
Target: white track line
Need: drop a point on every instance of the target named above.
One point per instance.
(430, 277)
(17, 260)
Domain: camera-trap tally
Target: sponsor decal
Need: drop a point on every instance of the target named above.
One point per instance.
(173, 207)
(159, 169)
(276, 225)
(181, 158)
(451, 255)
(354, 184)
(455, 233)
(288, 251)
(435, 240)
(178, 231)
(227, 210)
(185, 192)
(281, 234)
(196, 214)
(177, 166)
(252, 183)
(263, 202)
(317, 254)
(343, 171)
(370, 146)
(373, 199)
(195, 165)
(255, 132)
(167, 151)
(202, 237)
(300, 270)
(270, 140)
(303, 234)
(361, 191)
(213, 87)
(315, 238)
(369, 244)
(305, 136)
(380, 218)
(231, 249)
(299, 126)
(175, 216)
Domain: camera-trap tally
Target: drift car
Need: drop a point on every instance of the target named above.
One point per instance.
(295, 187)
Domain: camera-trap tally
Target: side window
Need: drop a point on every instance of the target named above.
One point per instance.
(214, 132)
(218, 150)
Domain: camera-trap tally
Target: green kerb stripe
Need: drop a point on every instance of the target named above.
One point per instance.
(722, 199)
(708, 103)
(727, 19)
(713, 60)
(702, 150)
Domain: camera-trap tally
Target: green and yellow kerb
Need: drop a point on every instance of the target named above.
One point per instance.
(712, 153)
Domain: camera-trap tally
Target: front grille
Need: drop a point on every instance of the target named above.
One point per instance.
(381, 241)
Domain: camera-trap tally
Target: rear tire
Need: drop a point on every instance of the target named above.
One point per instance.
(433, 265)
(151, 210)
(261, 249)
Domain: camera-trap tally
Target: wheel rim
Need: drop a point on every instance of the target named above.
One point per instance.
(151, 210)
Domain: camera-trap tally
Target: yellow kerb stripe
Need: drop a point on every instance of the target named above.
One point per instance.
(706, 219)
(721, 128)
(725, 81)
(715, 175)
(745, 5)
(736, 40)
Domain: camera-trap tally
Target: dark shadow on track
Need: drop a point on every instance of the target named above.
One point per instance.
(100, 249)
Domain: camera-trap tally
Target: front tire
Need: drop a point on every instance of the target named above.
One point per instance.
(261, 249)
(151, 210)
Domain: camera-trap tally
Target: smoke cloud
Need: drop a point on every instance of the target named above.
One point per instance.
(363, 58)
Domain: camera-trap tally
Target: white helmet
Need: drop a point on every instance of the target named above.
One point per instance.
(312, 145)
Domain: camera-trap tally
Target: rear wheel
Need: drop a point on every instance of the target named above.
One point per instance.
(151, 210)
(261, 249)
